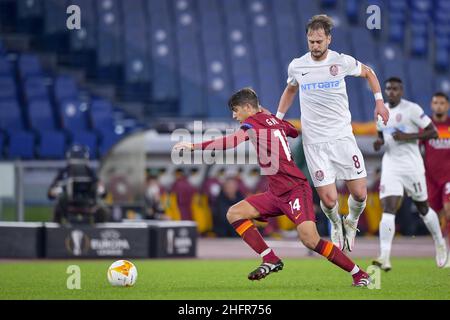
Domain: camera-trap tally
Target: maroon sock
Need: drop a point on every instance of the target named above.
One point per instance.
(248, 232)
(333, 254)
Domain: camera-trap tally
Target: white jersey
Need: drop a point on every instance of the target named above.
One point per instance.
(403, 156)
(325, 114)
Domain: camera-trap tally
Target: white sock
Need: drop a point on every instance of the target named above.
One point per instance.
(332, 214)
(355, 208)
(431, 221)
(265, 252)
(355, 270)
(387, 232)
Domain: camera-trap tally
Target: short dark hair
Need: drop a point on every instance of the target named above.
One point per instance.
(243, 96)
(394, 79)
(320, 21)
(440, 94)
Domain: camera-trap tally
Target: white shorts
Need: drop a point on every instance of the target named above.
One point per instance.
(339, 159)
(394, 184)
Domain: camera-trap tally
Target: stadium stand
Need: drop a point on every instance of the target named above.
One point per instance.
(182, 58)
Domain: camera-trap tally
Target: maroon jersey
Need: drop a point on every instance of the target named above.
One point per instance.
(437, 154)
(185, 193)
(268, 135)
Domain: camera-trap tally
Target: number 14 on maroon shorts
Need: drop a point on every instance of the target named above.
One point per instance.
(296, 204)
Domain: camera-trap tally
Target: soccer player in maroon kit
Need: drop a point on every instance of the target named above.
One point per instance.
(437, 160)
(289, 192)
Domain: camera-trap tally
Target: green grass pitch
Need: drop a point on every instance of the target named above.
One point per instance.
(411, 278)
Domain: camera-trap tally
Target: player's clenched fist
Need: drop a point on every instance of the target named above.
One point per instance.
(183, 145)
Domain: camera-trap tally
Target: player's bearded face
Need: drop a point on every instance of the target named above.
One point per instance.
(439, 105)
(318, 42)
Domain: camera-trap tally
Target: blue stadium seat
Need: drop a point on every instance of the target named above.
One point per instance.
(88, 139)
(40, 115)
(442, 59)
(64, 87)
(352, 10)
(442, 83)
(52, 145)
(11, 116)
(55, 22)
(271, 81)
(396, 30)
(5, 67)
(137, 68)
(29, 15)
(29, 65)
(421, 82)
(328, 3)
(290, 43)
(85, 38)
(101, 120)
(2, 49)
(101, 105)
(73, 114)
(21, 145)
(108, 140)
(398, 5)
(340, 43)
(216, 63)
(35, 88)
(363, 45)
(109, 40)
(8, 90)
(422, 6)
(240, 53)
(192, 98)
(162, 42)
(393, 63)
(307, 9)
(419, 35)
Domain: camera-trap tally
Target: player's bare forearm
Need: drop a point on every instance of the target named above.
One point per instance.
(428, 133)
(287, 98)
(374, 84)
(372, 79)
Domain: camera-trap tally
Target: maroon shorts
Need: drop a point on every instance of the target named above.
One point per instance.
(296, 204)
(438, 194)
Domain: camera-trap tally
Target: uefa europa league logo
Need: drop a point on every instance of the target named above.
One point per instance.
(77, 237)
(77, 242)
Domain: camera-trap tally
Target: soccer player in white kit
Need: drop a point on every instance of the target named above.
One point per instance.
(330, 147)
(402, 169)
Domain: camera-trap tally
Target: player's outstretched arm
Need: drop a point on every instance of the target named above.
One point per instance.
(183, 145)
(223, 143)
(286, 100)
(380, 108)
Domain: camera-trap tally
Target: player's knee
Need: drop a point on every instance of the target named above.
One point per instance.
(309, 240)
(234, 213)
(310, 243)
(360, 194)
(329, 201)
